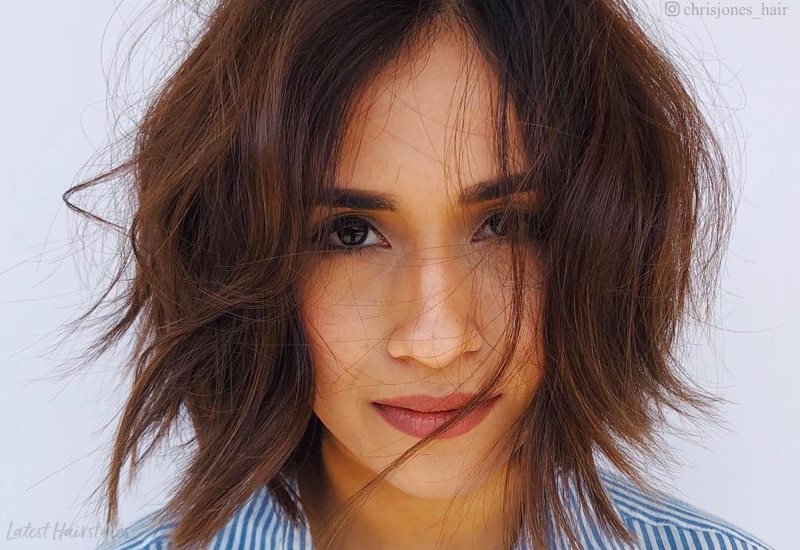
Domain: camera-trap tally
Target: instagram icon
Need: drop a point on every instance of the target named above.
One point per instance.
(672, 8)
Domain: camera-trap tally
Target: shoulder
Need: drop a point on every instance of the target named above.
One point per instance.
(665, 522)
(259, 523)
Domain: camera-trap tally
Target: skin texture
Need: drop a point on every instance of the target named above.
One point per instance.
(421, 310)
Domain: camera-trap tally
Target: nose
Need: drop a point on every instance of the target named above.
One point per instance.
(438, 323)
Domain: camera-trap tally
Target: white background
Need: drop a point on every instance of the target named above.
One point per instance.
(54, 118)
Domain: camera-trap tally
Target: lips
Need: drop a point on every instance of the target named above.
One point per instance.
(419, 415)
(429, 403)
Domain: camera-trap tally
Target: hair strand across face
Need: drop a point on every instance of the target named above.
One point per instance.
(242, 143)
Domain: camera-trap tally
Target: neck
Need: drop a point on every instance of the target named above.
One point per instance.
(391, 519)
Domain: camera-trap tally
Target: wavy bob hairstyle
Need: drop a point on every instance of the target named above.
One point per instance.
(242, 141)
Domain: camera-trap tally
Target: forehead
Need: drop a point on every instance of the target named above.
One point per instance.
(425, 123)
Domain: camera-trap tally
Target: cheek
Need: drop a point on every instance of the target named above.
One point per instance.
(495, 309)
(493, 290)
(336, 340)
(327, 335)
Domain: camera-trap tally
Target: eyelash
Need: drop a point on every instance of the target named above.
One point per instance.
(337, 224)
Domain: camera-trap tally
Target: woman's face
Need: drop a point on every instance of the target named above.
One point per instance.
(414, 299)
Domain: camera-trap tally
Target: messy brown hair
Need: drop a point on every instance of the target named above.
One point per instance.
(241, 142)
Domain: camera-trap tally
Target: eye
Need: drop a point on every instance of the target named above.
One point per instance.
(349, 233)
(499, 224)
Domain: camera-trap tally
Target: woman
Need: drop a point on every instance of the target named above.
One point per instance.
(414, 270)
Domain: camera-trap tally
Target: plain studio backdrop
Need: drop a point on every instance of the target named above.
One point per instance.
(59, 65)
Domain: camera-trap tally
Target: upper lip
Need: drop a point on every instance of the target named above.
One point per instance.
(430, 403)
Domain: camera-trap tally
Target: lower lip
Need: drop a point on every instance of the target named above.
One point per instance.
(420, 424)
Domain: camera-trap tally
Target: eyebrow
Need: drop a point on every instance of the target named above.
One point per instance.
(372, 200)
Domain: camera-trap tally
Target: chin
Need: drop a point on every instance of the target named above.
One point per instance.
(428, 477)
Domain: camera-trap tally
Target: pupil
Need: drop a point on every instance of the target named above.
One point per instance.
(497, 223)
(353, 233)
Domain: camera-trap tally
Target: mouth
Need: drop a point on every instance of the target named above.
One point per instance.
(431, 403)
(420, 423)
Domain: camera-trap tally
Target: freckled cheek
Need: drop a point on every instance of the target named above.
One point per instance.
(333, 342)
(495, 311)
(346, 306)
(525, 373)
(339, 343)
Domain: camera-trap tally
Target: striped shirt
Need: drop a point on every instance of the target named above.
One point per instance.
(658, 522)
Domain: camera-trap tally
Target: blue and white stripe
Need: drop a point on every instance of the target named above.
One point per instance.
(657, 521)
